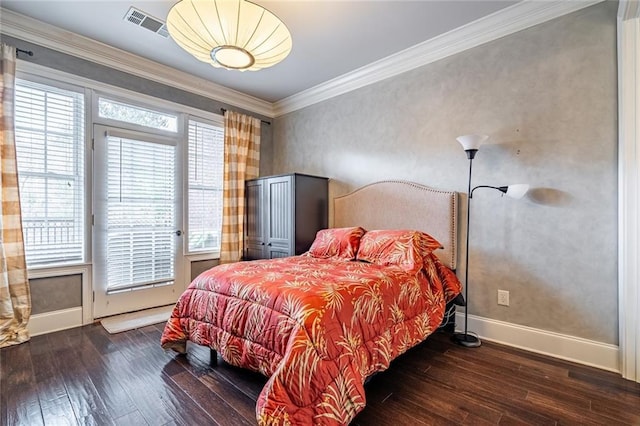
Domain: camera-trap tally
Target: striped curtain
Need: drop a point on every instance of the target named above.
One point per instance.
(241, 163)
(15, 298)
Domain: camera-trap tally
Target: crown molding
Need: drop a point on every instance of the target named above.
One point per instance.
(49, 36)
(520, 16)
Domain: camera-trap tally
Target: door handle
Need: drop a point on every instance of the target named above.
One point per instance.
(178, 232)
(269, 244)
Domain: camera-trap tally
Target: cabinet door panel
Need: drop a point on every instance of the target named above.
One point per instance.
(254, 226)
(279, 227)
(275, 253)
(254, 220)
(253, 253)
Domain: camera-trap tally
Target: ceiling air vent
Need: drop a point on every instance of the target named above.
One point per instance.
(144, 20)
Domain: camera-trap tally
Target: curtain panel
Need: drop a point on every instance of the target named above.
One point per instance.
(15, 298)
(241, 163)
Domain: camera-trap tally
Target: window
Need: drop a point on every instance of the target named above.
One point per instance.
(135, 210)
(133, 114)
(49, 131)
(206, 157)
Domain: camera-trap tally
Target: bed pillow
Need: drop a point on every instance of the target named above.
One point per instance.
(403, 248)
(340, 243)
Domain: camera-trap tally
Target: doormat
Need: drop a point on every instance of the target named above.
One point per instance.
(125, 322)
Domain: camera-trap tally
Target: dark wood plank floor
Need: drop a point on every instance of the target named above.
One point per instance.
(86, 376)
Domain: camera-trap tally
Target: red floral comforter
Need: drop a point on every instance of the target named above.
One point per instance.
(317, 327)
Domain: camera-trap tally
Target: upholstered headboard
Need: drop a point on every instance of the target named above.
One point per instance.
(403, 205)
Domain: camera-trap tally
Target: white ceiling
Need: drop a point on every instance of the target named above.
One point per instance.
(330, 38)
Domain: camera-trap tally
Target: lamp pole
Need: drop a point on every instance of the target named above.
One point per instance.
(466, 339)
(470, 144)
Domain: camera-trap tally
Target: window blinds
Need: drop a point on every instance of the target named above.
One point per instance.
(140, 213)
(49, 130)
(206, 157)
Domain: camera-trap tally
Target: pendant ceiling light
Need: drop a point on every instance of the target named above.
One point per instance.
(232, 34)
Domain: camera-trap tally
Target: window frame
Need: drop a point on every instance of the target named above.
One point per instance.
(121, 98)
(100, 156)
(86, 202)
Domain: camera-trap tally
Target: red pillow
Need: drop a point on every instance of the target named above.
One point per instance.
(337, 242)
(403, 248)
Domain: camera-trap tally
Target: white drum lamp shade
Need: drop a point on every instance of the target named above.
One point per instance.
(231, 34)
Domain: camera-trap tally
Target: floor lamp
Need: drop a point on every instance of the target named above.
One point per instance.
(471, 144)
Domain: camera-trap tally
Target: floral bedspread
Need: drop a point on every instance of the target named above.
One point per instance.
(317, 327)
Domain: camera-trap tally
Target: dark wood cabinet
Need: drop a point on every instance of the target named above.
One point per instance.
(283, 214)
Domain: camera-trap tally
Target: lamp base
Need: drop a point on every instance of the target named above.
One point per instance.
(467, 340)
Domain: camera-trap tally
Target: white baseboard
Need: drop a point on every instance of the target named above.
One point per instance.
(570, 348)
(563, 346)
(55, 321)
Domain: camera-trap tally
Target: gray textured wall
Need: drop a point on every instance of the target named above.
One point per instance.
(61, 292)
(547, 97)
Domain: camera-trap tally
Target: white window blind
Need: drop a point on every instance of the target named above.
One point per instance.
(206, 157)
(140, 213)
(49, 130)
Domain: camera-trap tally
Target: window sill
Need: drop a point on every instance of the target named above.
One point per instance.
(197, 257)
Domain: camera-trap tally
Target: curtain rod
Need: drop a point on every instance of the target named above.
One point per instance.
(26, 52)
(262, 121)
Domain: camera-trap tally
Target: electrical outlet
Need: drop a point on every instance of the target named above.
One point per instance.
(503, 297)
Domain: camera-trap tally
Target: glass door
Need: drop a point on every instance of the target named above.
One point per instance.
(137, 238)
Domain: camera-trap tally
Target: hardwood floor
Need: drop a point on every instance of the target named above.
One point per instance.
(87, 376)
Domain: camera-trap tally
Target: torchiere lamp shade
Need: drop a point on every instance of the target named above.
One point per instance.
(471, 143)
(517, 191)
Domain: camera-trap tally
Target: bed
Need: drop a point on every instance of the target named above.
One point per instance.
(318, 325)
